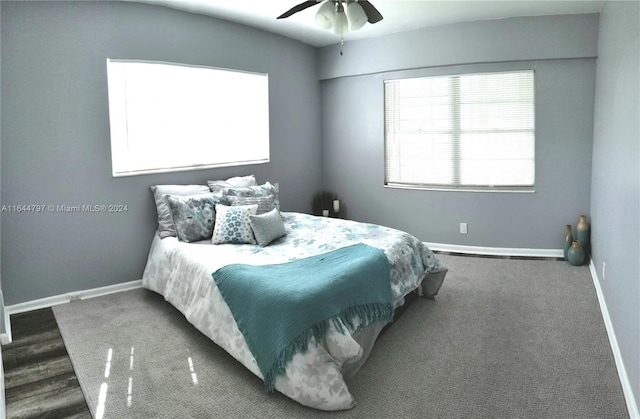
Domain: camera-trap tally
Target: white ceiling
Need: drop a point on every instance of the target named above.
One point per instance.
(399, 15)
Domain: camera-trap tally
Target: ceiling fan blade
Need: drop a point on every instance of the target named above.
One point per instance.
(298, 8)
(373, 15)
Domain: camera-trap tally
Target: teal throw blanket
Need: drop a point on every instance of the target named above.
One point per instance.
(279, 307)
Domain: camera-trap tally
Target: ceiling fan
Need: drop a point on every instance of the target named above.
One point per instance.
(365, 10)
(340, 16)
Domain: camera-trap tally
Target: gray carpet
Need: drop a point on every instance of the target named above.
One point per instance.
(504, 339)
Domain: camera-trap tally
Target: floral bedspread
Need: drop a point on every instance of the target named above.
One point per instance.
(181, 272)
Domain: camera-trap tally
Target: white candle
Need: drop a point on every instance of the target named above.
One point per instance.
(336, 205)
(325, 213)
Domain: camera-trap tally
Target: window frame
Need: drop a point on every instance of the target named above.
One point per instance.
(456, 131)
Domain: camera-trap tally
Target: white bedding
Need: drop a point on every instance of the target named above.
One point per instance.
(182, 273)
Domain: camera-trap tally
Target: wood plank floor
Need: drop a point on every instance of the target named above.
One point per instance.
(39, 379)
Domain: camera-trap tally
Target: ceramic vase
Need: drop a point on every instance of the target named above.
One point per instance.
(568, 240)
(575, 254)
(583, 234)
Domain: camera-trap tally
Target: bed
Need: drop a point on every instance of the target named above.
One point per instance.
(183, 272)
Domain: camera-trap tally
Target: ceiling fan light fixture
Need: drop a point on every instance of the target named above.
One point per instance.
(341, 24)
(339, 15)
(356, 15)
(326, 15)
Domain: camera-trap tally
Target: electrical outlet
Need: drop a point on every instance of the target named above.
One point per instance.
(463, 228)
(604, 270)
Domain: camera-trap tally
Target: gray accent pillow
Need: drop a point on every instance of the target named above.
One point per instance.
(265, 203)
(267, 227)
(233, 224)
(253, 191)
(193, 216)
(166, 227)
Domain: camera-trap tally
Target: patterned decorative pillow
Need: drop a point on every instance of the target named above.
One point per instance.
(267, 227)
(233, 224)
(232, 182)
(166, 227)
(253, 191)
(265, 203)
(193, 216)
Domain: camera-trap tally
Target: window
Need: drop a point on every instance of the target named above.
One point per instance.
(469, 132)
(170, 117)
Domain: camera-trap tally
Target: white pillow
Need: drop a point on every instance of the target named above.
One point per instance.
(233, 224)
(232, 182)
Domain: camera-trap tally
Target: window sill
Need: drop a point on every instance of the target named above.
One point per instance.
(501, 189)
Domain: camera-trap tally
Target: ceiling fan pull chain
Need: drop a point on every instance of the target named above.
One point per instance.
(341, 44)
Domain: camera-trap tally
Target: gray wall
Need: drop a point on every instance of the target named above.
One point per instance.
(55, 133)
(523, 38)
(615, 182)
(2, 327)
(353, 130)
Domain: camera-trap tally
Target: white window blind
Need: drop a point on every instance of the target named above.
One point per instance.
(471, 131)
(168, 117)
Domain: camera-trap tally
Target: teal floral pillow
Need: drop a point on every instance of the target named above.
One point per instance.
(233, 224)
(166, 228)
(193, 216)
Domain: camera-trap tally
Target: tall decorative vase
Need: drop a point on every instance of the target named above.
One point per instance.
(583, 234)
(568, 240)
(575, 254)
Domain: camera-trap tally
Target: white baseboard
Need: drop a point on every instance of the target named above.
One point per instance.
(5, 337)
(496, 251)
(61, 299)
(627, 390)
(3, 406)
